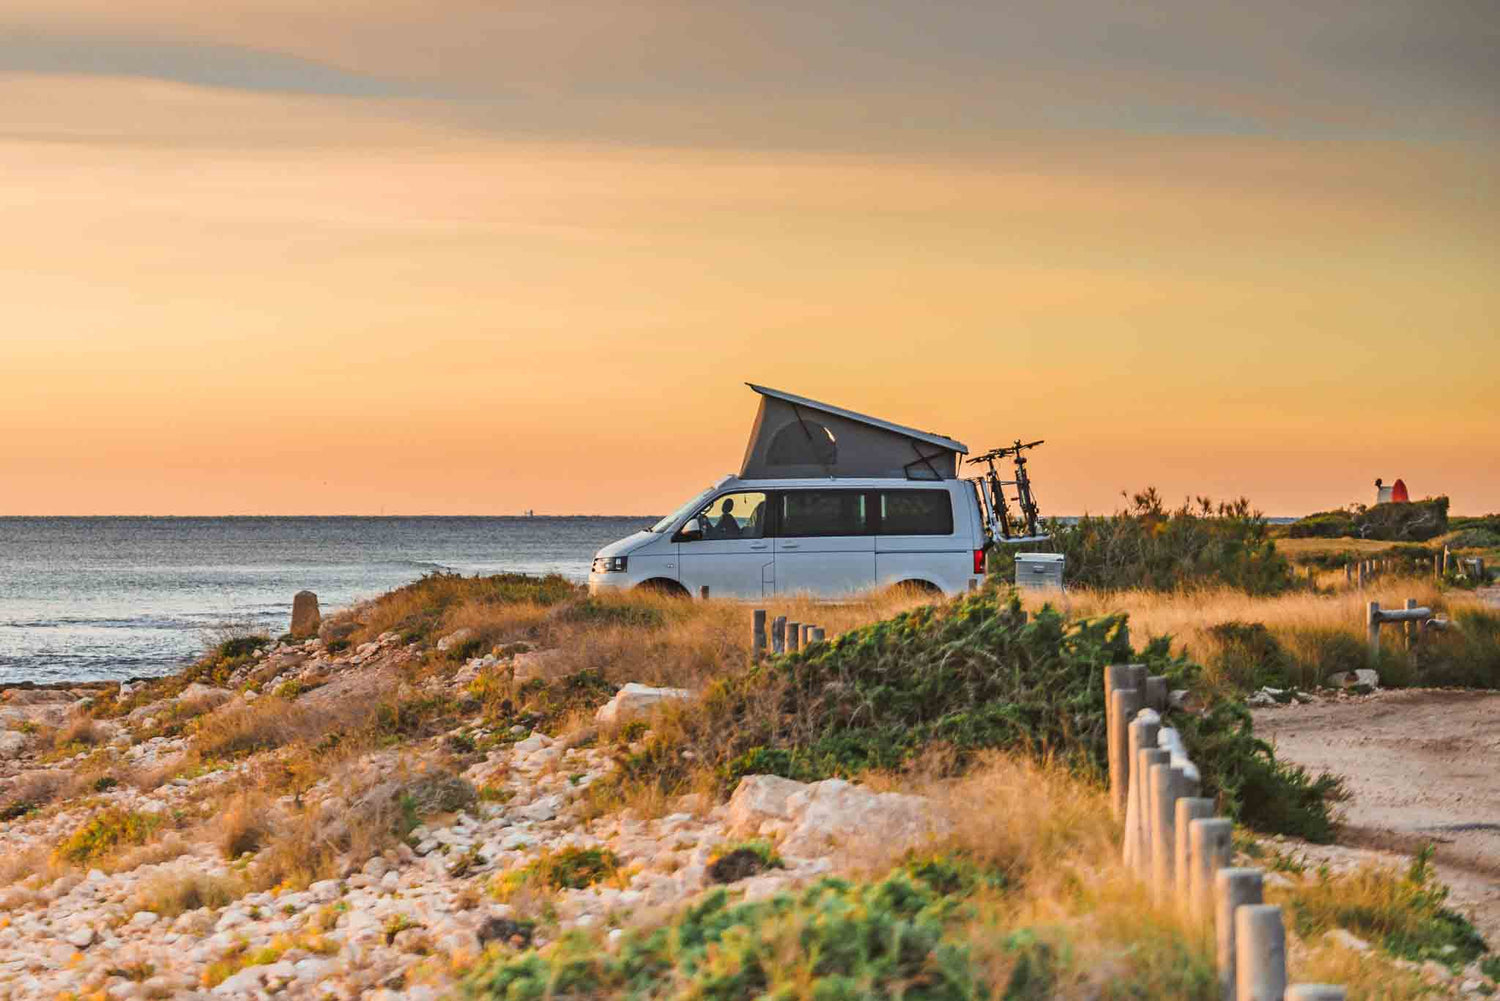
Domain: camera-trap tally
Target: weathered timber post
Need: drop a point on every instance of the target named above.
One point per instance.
(1168, 784)
(758, 634)
(1372, 627)
(1126, 703)
(1437, 565)
(1142, 737)
(306, 619)
(703, 592)
(1233, 889)
(1361, 575)
(1445, 561)
(1210, 848)
(1410, 626)
(1348, 574)
(1114, 678)
(1189, 809)
(807, 628)
(1148, 759)
(1314, 992)
(1156, 692)
(778, 635)
(793, 637)
(817, 634)
(1260, 953)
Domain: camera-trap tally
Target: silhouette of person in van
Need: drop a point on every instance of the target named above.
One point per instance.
(727, 528)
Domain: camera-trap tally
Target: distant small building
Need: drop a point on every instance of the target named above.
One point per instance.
(1393, 494)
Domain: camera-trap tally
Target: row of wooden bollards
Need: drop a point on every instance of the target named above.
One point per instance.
(1363, 572)
(1185, 854)
(785, 636)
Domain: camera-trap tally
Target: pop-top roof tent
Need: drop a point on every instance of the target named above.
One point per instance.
(796, 437)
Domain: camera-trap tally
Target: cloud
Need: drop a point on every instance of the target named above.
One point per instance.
(852, 74)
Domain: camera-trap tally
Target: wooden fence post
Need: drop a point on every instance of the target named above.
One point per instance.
(817, 634)
(1126, 703)
(1210, 848)
(1148, 759)
(778, 635)
(1142, 737)
(1233, 889)
(758, 634)
(1260, 953)
(1189, 809)
(1156, 692)
(1372, 627)
(793, 636)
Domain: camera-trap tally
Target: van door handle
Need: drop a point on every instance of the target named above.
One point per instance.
(759, 545)
(789, 545)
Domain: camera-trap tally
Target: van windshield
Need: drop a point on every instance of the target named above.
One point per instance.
(691, 507)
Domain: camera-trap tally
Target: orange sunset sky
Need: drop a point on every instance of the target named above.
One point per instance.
(459, 257)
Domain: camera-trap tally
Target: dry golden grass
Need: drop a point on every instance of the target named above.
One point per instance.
(1321, 632)
(171, 894)
(243, 824)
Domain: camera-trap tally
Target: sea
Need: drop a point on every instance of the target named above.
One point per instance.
(84, 599)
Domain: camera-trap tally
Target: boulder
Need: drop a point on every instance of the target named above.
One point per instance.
(207, 694)
(544, 664)
(454, 638)
(757, 799)
(837, 814)
(635, 700)
(12, 743)
(815, 819)
(306, 619)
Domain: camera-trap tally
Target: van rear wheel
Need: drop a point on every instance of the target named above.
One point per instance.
(664, 586)
(916, 589)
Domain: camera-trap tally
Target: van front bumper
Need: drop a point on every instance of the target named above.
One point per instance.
(609, 582)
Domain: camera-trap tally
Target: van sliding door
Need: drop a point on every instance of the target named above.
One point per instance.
(824, 542)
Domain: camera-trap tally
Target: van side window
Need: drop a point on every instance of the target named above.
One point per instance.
(823, 512)
(728, 516)
(916, 512)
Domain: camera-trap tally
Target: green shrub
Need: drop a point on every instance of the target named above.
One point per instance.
(613, 613)
(974, 673)
(1409, 521)
(1150, 547)
(1467, 654)
(104, 832)
(1249, 657)
(892, 938)
(570, 868)
(1324, 525)
(1242, 772)
(1405, 914)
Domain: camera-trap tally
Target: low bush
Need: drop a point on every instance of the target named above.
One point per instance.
(1405, 914)
(1198, 544)
(570, 868)
(1467, 654)
(106, 831)
(1409, 521)
(178, 893)
(970, 675)
(884, 939)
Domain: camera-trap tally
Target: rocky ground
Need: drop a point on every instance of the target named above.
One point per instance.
(399, 922)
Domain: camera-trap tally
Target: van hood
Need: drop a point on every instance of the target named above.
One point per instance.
(627, 545)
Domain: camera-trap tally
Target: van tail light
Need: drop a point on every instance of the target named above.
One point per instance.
(979, 561)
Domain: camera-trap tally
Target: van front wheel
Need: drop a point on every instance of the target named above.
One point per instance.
(664, 586)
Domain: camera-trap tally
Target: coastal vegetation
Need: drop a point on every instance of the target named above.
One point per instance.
(461, 697)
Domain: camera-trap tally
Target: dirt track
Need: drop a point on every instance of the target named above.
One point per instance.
(1420, 766)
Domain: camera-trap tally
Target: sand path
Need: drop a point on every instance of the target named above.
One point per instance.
(1421, 765)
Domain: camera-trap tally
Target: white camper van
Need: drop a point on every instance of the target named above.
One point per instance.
(827, 503)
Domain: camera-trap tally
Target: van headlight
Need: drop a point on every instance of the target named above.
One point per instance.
(609, 564)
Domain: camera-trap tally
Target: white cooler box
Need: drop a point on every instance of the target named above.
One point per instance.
(1039, 570)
